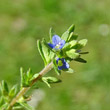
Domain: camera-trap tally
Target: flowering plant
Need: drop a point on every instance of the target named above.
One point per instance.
(57, 53)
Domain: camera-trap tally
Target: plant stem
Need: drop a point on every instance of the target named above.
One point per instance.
(25, 89)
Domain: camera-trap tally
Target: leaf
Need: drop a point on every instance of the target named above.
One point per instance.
(81, 43)
(18, 108)
(13, 91)
(26, 106)
(72, 43)
(34, 76)
(47, 52)
(80, 60)
(2, 101)
(51, 33)
(52, 80)
(72, 54)
(84, 52)
(65, 35)
(25, 78)
(49, 80)
(22, 78)
(55, 66)
(66, 46)
(4, 88)
(45, 81)
(41, 51)
(72, 36)
(71, 28)
(4, 106)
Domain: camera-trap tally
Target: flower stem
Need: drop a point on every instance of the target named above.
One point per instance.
(25, 89)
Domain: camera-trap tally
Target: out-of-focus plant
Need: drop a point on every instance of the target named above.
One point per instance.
(57, 53)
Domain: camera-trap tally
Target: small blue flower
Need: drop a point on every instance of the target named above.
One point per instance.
(62, 64)
(57, 42)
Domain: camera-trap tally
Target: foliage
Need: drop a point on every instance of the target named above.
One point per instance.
(57, 55)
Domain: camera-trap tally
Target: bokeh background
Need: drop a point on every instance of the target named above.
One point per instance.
(22, 22)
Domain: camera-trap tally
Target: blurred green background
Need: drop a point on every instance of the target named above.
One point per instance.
(22, 22)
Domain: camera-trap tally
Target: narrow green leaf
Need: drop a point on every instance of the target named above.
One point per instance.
(13, 91)
(46, 82)
(80, 60)
(4, 106)
(49, 80)
(72, 36)
(84, 52)
(2, 101)
(71, 28)
(51, 33)
(26, 106)
(18, 108)
(22, 78)
(48, 52)
(34, 76)
(25, 78)
(41, 51)
(52, 80)
(4, 88)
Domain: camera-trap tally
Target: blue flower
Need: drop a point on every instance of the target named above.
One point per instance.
(62, 64)
(57, 42)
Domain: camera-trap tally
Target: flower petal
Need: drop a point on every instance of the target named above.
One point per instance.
(56, 39)
(57, 60)
(60, 68)
(51, 45)
(62, 43)
(67, 65)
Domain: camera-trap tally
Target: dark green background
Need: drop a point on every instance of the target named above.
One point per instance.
(22, 22)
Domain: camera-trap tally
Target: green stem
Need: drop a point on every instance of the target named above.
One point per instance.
(24, 90)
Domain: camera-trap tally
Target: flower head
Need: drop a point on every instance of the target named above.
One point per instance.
(57, 42)
(62, 64)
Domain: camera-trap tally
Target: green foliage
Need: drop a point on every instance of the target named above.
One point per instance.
(80, 60)
(13, 91)
(51, 33)
(72, 54)
(26, 78)
(26, 106)
(65, 36)
(22, 22)
(50, 80)
(4, 88)
(45, 52)
(6, 95)
(57, 58)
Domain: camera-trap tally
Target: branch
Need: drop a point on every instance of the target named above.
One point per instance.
(24, 90)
